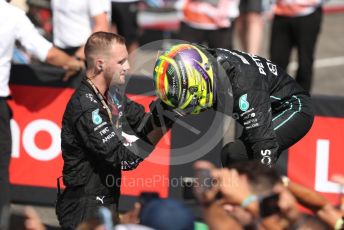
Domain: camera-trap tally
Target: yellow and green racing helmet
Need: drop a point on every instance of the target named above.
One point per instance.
(184, 79)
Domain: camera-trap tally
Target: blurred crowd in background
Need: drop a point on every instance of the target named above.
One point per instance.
(243, 195)
(295, 24)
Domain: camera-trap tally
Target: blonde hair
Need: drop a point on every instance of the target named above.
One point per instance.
(99, 43)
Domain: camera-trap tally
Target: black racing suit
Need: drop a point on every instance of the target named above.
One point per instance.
(273, 109)
(95, 151)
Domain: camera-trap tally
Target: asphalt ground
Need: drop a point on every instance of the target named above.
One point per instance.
(328, 77)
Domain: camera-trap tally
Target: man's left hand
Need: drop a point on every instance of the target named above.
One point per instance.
(72, 68)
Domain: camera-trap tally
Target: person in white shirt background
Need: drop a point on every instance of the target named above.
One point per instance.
(15, 26)
(75, 20)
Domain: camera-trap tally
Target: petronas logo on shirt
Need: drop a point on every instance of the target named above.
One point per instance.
(96, 119)
(243, 103)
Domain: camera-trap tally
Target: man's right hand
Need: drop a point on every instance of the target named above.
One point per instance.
(70, 64)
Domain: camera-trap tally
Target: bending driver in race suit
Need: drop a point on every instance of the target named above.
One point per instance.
(273, 109)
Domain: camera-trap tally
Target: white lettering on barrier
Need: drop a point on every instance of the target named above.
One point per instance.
(322, 184)
(15, 131)
(28, 139)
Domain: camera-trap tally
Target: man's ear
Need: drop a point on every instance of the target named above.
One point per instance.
(99, 65)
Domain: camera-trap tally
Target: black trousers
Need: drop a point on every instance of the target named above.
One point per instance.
(74, 206)
(5, 153)
(300, 32)
(220, 38)
(124, 16)
(290, 125)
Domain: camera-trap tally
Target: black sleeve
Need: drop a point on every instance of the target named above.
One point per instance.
(134, 113)
(256, 117)
(143, 123)
(258, 127)
(138, 122)
(103, 141)
(251, 92)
